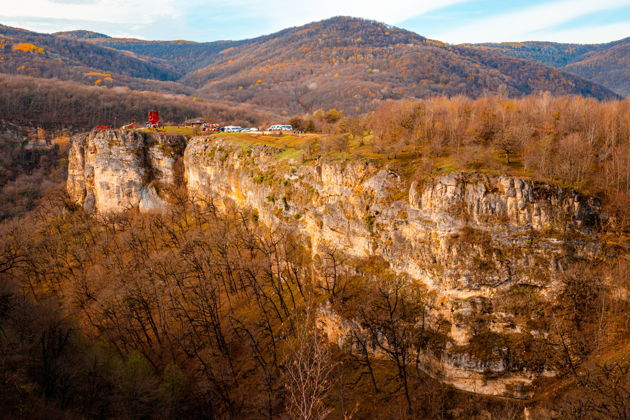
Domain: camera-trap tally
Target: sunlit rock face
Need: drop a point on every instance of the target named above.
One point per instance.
(112, 171)
(489, 200)
(468, 239)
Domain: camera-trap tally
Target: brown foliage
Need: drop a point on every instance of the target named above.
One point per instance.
(606, 64)
(27, 100)
(573, 141)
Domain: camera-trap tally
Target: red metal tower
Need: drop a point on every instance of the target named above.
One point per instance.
(154, 118)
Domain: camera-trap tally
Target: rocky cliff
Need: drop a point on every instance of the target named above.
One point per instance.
(112, 171)
(470, 240)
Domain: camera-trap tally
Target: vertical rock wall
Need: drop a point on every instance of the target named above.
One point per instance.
(469, 239)
(112, 171)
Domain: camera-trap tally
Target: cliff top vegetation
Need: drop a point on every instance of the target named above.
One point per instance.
(572, 141)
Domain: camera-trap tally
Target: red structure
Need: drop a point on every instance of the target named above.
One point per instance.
(214, 128)
(154, 118)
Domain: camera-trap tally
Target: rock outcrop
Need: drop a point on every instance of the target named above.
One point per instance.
(469, 239)
(111, 171)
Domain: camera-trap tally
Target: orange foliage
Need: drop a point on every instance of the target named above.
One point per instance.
(28, 47)
(96, 73)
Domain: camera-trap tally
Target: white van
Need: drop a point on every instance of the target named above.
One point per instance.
(280, 127)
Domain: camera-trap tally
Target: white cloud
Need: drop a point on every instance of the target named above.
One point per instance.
(590, 34)
(277, 14)
(110, 11)
(291, 13)
(524, 24)
(214, 19)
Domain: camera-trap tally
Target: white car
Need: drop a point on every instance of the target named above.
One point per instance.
(232, 129)
(280, 127)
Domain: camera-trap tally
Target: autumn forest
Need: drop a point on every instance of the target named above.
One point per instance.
(442, 234)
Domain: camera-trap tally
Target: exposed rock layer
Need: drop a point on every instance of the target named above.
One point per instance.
(467, 238)
(112, 171)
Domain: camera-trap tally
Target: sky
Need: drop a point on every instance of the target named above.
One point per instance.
(453, 21)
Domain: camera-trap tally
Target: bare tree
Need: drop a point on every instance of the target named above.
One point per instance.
(605, 394)
(309, 375)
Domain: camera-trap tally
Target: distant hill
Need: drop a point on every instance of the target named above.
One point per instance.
(606, 64)
(40, 55)
(609, 67)
(349, 63)
(548, 53)
(186, 56)
(53, 103)
(80, 34)
(354, 64)
(346, 63)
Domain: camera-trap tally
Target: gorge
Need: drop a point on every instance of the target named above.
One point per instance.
(476, 244)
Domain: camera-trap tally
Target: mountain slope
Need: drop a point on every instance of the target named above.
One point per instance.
(606, 64)
(355, 64)
(41, 55)
(80, 34)
(186, 56)
(56, 104)
(346, 63)
(71, 52)
(548, 53)
(609, 67)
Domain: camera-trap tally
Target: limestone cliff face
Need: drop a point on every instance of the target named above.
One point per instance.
(468, 238)
(487, 200)
(111, 171)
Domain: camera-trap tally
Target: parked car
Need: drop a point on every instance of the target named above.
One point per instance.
(280, 127)
(232, 129)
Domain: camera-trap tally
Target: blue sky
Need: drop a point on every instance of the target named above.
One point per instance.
(454, 21)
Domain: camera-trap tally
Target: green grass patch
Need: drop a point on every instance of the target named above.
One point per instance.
(290, 153)
(291, 146)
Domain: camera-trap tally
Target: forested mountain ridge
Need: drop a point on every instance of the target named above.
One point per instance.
(345, 63)
(192, 56)
(56, 104)
(187, 56)
(72, 52)
(40, 55)
(607, 64)
(81, 34)
(356, 64)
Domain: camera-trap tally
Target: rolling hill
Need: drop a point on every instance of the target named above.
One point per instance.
(186, 56)
(56, 105)
(606, 64)
(40, 55)
(80, 34)
(356, 64)
(352, 64)
(346, 63)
